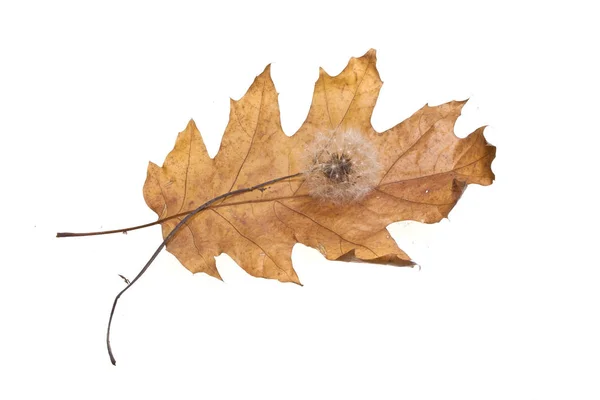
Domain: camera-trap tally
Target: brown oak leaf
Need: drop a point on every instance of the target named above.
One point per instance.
(423, 169)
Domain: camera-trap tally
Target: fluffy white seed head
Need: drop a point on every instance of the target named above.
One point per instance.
(341, 167)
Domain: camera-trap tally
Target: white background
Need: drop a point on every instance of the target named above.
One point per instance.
(505, 305)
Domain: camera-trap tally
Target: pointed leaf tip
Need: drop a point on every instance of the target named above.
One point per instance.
(266, 71)
(371, 53)
(191, 124)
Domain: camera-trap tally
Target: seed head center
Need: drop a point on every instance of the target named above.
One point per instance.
(338, 167)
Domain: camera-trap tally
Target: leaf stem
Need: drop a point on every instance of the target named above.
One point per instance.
(170, 236)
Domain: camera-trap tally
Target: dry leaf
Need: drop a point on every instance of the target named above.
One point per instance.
(420, 170)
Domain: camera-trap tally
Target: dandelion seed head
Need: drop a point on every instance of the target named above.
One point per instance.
(341, 167)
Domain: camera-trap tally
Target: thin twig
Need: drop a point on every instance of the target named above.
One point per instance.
(123, 230)
(170, 236)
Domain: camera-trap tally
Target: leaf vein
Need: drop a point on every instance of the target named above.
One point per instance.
(415, 202)
(187, 170)
(251, 241)
(421, 136)
(326, 228)
(438, 173)
(354, 94)
(262, 96)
